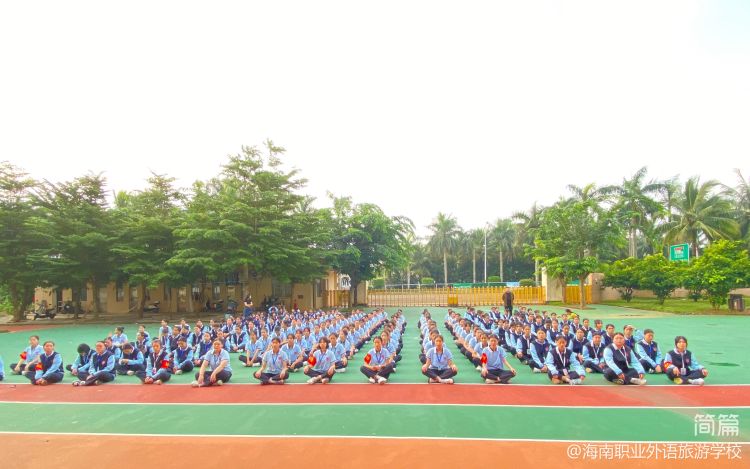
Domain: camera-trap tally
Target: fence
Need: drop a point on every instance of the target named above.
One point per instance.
(446, 296)
(336, 299)
(573, 294)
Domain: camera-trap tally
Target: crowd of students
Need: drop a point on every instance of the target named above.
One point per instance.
(322, 344)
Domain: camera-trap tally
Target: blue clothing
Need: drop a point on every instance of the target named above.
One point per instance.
(494, 359)
(439, 360)
(154, 363)
(557, 361)
(323, 361)
(378, 358)
(33, 353)
(292, 353)
(51, 364)
(649, 352)
(103, 362)
(617, 359)
(181, 357)
(215, 360)
(274, 363)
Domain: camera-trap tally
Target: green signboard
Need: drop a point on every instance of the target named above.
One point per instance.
(679, 252)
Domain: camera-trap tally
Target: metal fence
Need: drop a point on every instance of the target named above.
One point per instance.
(447, 296)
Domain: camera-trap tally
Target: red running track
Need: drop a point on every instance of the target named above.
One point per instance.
(599, 396)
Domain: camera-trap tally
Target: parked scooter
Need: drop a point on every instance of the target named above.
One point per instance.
(42, 311)
(152, 308)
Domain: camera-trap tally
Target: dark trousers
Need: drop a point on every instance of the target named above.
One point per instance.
(504, 376)
(647, 366)
(123, 369)
(532, 364)
(51, 378)
(339, 365)
(630, 374)
(571, 374)
(243, 359)
(187, 367)
(595, 367)
(223, 375)
(90, 378)
(313, 373)
(695, 374)
(265, 378)
(163, 374)
(439, 374)
(385, 372)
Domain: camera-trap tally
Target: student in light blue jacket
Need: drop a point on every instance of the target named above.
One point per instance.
(29, 357)
(131, 361)
(49, 369)
(158, 370)
(494, 363)
(649, 353)
(217, 363)
(182, 357)
(563, 365)
(99, 370)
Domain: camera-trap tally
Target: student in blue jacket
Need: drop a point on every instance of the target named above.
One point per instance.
(49, 369)
(84, 355)
(204, 346)
(131, 361)
(538, 351)
(321, 364)
(563, 365)
(99, 370)
(681, 366)
(495, 366)
(253, 353)
(378, 363)
(274, 365)
(158, 369)
(182, 357)
(623, 366)
(593, 355)
(439, 366)
(29, 357)
(649, 353)
(217, 362)
(339, 353)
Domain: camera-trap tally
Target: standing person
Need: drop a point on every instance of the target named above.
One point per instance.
(157, 365)
(217, 361)
(378, 363)
(439, 366)
(247, 309)
(508, 301)
(322, 364)
(274, 365)
(49, 369)
(99, 370)
(623, 366)
(681, 366)
(493, 361)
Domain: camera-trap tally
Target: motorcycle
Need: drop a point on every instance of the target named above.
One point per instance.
(42, 311)
(231, 308)
(215, 306)
(152, 308)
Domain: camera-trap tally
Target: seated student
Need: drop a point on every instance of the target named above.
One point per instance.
(217, 361)
(49, 369)
(597, 329)
(115, 351)
(538, 351)
(339, 353)
(29, 357)
(593, 355)
(321, 364)
(195, 337)
(131, 361)
(378, 363)
(629, 338)
(563, 365)
(119, 338)
(523, 346)
(681, 366)
(204, 346)
(274, 365)
(648, 352)
(577, 343)
(84, 355)
(142, 343)
(99, 370)
(478, 348)
(623, 366)
(439, 366)
(2, 369)
(294, 355)
(157, 365)
(428, 343)
(237, 340)
(172, 339)
(253, 353)
(609, 335)
(493, 360)
(182, 357)
(349, 350)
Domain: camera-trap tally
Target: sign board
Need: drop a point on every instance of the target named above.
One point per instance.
(679, 252)
(345, 282)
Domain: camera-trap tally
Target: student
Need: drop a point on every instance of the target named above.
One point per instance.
(493, 359)
(131, 361)
(577, 344)
(538, 351)
(157, 365)
(523, 346)
(439, 366)
(217, 361)
(99, 370)
(274, 365)
(294, 355)
(253, 352)
(563, 365)
(593, 355)
(49, 369)
(2, 369)
(115, 351)
(204, 346)
(29, 357)
(142, 343)
(238, 340)
(378, 363)
(322, 364)
(339, 353)
(119, 338)
(648, 352)
(623, 366)
(629, 339)
(84, 355)
(609, 335)
(681, 366)
(182, 358)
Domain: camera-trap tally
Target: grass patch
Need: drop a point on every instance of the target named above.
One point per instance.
(677, 306)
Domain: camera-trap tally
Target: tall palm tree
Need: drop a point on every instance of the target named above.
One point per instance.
(636, 204)
(503, 237)
(592, 194)
(701, 214)
(444, 239)
(741, 197)
(472, 241)
(525, 232)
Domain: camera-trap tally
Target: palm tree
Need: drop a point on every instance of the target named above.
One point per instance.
(444, 239)
(741, 197)
(636, 205)
(525, 231)
(503, 236)
(592, 194)
(473, 241)
(700, 215)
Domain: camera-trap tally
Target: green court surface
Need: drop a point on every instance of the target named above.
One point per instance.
(718, 342)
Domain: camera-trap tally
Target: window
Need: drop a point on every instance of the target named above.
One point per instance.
(84, 294)
(281, 289)
(120, 292)
(217, 292)
(103, 297)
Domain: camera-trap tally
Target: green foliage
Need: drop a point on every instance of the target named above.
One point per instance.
(659, 275)
(724, 266)
(623, 275)
(427, 281)
(527, 282)
(493, 279)
(377, 283)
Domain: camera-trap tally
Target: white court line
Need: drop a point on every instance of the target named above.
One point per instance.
(357, 404)
(378, 437)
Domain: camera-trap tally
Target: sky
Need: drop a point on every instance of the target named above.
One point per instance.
(476, 109)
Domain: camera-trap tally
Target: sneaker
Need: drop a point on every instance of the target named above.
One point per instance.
(490, 381)
(256, 364)
(219, 383)
(618, 381)
(639, 382)
(371, 380)
(97, 382)
(325, 381)
(432, 381)
(77, 383)
(697, 382)
(479, 368)
(536, 370)
(382, 380)
(575, 382)
(341, 370)
(130, 373)
(178, 372)
(157, 382)
(677, 381)
(312, 380)
(447, 381)
(195, 384)
(589, 370)
(281, 381)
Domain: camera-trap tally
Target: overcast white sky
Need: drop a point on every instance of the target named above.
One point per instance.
(472, 108)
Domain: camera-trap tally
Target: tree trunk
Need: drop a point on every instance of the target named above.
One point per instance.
(408, 278)
(141, 301)
(631, 247)
(354, 288)
(18, 306)
(502, 267)
(445, 267)
(474, 264)
(537, 274)
(582, 289)
(97, 305)
(564, 284)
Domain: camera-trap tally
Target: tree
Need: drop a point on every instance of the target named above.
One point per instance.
(473, 241)
(701, 215)
(525, 232)
(623, 275)
(18, 238)
(569, 237)
(444, 239)
(659, 275)
(724, 266)
(740, 195)
(366, 240)
(636, 204)
(503, 235)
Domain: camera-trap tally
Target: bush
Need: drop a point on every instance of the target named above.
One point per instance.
(659, 275)
(527, 282)
(427, 281)
(377, 283)
(493, 279)
(724, 266)
(623, 275)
